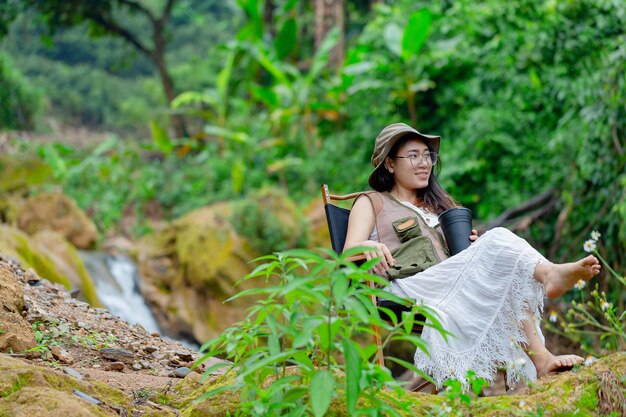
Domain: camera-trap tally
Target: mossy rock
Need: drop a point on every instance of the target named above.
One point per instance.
(17, 244)
(190, 267)
(205, 250)
(595, 390)
(270, 220)
(57, 212)
(67, 262)
(186, 396)
(209, 250)
(27, 390)
(9, 208)
(16, 174)
(52, 257)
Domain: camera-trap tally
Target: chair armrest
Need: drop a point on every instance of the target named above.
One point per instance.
(354, 258)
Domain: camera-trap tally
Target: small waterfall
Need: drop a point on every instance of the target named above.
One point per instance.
(117, 284)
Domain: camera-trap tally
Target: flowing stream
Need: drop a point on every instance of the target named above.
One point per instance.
(117, 284)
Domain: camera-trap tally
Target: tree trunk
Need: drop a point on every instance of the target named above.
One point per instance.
(158, 57)
(330, 14)
(178, 121)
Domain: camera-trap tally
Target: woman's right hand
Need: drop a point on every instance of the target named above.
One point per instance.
(379, 250)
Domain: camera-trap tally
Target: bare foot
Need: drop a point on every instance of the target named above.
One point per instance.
(546, 362)
(559, 278)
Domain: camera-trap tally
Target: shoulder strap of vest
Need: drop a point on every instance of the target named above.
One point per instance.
(375, 198)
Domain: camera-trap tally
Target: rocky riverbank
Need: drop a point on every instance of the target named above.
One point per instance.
(55, 342)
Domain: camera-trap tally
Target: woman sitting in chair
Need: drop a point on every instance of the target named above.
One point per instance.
(489, 296)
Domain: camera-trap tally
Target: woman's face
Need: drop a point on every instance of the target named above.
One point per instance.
(410, 167)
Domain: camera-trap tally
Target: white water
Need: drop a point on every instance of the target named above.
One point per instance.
(117, 285)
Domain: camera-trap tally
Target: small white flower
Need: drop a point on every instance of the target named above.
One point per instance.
(580, 284)
(589, 246)
(595, 235)
(589, 360)
(553, 317)
(604, 305)
(445, 407)
(524, 406)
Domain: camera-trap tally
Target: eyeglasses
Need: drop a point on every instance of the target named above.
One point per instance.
(429, 158)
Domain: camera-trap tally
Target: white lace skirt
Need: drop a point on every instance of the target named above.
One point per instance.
(483, 295)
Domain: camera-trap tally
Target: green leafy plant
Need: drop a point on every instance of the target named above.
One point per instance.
(595, 318)
(298, 351)
(43, 336)
(94, 340)
(457, 398)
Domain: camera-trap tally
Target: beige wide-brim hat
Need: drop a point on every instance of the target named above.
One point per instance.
(391, 134)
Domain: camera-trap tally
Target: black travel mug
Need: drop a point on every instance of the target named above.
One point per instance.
(456, 224)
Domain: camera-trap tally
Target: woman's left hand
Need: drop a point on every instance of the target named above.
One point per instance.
(474, 235)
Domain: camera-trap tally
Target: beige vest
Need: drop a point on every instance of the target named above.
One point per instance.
(389, 210)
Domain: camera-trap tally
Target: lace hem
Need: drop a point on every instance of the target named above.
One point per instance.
(500, 343)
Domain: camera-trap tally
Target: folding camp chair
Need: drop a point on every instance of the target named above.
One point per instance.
(337, 219)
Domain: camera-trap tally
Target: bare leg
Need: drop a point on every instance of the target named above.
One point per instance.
(559, 278)
(541, 357)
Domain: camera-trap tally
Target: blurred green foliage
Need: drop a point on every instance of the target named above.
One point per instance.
(528, 96)
(20, 102)
(102, 82)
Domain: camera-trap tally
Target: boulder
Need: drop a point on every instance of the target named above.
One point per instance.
(16, 174)
(28, 390)
(270, 221)
(9, 208)
(51, 256)
(11, 292)
(190, 267)
(67, 262)
(54, 211)
(19, 246)
(15, 333)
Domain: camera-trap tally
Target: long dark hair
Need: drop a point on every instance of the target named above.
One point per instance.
(433, 196)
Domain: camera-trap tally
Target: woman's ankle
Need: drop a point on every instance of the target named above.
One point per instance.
(541, 272)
